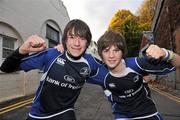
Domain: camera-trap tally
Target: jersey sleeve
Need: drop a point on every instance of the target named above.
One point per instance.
(144, 67)
(12, 62)
(100, 76)
(38, 60)
(94, 64)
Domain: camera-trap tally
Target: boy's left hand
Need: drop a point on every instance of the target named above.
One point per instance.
(60, 48)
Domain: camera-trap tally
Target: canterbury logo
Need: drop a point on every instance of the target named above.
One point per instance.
(61, 61)
(112, 85)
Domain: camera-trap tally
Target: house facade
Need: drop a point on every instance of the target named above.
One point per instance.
(20, 19)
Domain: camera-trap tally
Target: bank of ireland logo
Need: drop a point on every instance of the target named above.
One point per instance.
(85, 71)
(69, 78)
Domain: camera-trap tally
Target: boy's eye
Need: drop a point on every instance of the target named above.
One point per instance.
(83, 38)
(117, 50)
(106, 50)
(76, 37)
(71, 36)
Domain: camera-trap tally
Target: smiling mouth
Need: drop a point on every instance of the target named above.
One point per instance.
(76, 48)
(111, 60)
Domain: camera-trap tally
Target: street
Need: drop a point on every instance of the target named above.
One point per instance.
(92, 105)
(168, 108)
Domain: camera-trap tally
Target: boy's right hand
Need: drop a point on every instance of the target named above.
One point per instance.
(153, 53)
(34, 43)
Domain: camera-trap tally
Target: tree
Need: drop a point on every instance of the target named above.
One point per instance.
(146, 13)
(127, 24)
(118, 18)
(132, 26)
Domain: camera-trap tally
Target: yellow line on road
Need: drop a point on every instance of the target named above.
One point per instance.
(172, 97)
(26, 102)
(15, 106)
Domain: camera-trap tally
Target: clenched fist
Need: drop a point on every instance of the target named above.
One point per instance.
(34, 43)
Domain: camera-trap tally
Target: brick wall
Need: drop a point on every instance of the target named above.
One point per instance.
(169, 20)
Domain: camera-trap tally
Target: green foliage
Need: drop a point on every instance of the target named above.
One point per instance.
(132, 26)
(118, 20)
(127, 24)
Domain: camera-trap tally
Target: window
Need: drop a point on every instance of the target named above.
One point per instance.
(52, 35)
(8, 45)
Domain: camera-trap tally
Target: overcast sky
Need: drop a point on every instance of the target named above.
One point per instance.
(98, 13)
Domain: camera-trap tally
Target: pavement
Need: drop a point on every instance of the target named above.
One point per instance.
(92, 104)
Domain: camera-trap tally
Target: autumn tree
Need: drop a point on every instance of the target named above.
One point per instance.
(132, 26)
(146, 13)
(118, 19)
(127, 24)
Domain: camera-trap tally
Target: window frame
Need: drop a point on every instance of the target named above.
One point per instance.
(5, 47)
(51, 40)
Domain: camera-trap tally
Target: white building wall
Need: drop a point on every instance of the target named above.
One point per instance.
(28, 16)
(20, 19)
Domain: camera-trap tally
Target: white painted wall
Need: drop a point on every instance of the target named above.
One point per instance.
(20, 19)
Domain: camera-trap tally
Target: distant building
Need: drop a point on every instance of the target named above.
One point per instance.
(92, 49)
(18, 20)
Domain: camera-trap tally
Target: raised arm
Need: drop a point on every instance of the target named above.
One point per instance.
(154, 51)
(32, 44)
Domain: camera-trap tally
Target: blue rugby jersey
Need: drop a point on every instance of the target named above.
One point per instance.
(126, 91)
(61, 83)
